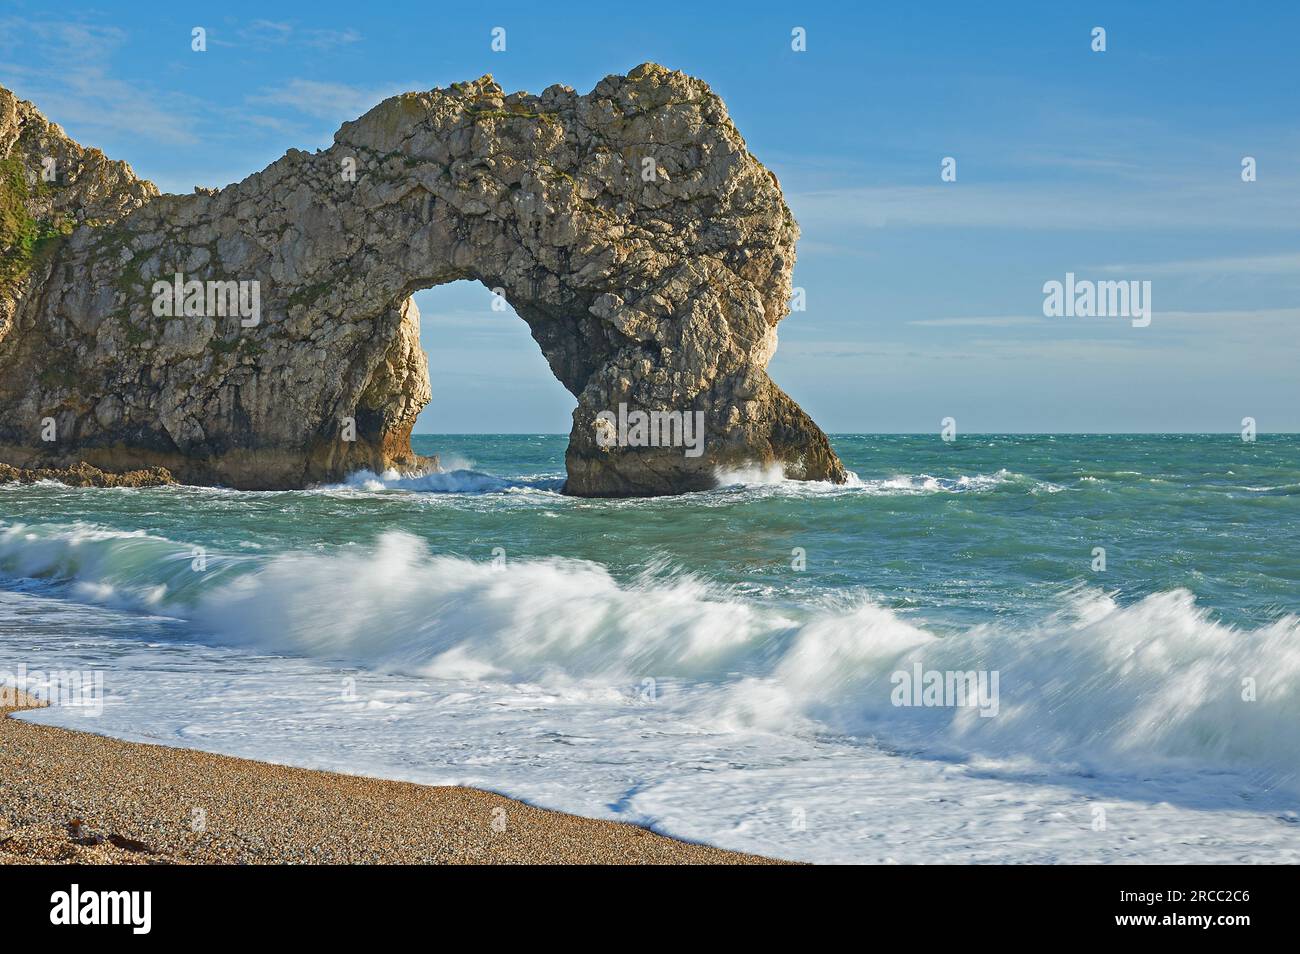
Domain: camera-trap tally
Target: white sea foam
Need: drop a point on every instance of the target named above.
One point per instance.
(444, 482)
(773, 477)
(1097, 684)
(755, 475)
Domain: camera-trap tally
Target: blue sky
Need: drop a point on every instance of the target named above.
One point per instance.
(924, 298)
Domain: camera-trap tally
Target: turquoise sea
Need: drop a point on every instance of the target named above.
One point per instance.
(723, 665)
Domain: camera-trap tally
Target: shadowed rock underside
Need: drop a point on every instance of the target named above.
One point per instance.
(648, 251)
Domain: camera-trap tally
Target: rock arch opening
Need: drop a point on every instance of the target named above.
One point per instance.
(486, 373)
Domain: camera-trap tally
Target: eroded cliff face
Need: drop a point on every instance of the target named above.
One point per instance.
(648, 252)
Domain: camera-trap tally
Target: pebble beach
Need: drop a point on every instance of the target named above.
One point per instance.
(72, 797)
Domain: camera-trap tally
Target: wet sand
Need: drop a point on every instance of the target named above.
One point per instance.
(73, 797)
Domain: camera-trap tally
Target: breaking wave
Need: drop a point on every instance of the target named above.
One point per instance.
(447, 482)
(904, 484)
(1094, 682)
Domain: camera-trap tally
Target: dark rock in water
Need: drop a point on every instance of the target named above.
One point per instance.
(84, 475)
(263, 335)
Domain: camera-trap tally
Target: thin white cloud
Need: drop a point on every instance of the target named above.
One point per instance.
(992, 321)
(1282, 263)
(268, 31)
(78, 90)
(262, 34)
(1225, 316)
(1282, 315)
(326, 39)
(1047, 206)
(1083, 163)
(1128, 347)
(334, 102)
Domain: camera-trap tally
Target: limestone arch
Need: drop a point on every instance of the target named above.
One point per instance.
(648, 251)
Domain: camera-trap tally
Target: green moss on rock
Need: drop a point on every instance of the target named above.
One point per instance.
(24, 240)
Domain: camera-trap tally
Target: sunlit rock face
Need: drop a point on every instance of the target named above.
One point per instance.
(263, 335)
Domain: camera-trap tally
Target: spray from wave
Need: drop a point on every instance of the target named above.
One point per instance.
(1094, 683)
(461, 481)
(773, 477)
